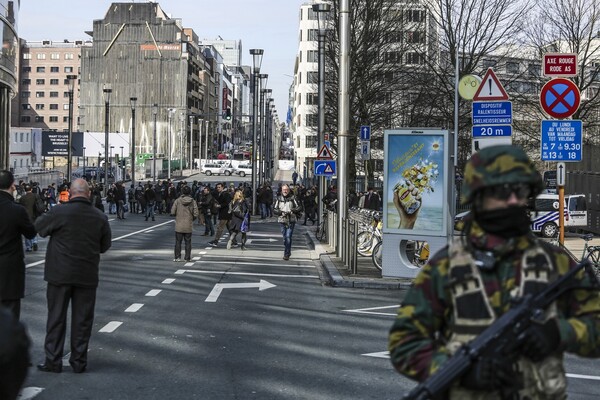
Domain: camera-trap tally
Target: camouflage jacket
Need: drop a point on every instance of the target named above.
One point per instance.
(418, 337)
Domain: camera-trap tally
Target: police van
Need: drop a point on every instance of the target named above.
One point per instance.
(544, 213)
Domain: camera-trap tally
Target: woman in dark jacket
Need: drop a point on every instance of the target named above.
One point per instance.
(239, 210)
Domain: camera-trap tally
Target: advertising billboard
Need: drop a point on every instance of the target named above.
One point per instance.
(416, 176)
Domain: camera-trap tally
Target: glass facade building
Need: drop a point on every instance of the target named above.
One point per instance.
(9, 11)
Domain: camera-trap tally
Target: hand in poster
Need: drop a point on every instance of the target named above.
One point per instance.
(407, 221)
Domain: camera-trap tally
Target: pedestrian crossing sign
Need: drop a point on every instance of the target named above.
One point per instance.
(324, 153)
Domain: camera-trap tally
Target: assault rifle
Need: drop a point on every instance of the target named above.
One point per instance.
(500, 339)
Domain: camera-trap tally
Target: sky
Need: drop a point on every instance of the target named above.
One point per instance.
(271, 25)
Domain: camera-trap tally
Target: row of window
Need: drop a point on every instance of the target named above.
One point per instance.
(53, 56)
(27, 106)
(27, 81)
(312, 56)
(26, 94)
(40, 118)
(43, 69)
(311, 77)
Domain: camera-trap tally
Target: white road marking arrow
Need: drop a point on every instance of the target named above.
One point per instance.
(216, 292)
(261, 240)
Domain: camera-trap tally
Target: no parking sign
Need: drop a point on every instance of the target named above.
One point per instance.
(560, 98)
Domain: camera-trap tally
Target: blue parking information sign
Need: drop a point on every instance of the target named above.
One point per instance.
(492, 113)
(365, 132)
(491, 130)
(561, 140)
(325, 167)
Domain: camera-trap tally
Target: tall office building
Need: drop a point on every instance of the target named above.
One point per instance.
(43, 100)
(230, 50)
(8, 72)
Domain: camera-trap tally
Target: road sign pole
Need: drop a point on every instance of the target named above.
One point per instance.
(561, 214)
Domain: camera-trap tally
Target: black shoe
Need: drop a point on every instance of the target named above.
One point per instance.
(48, 368)
(286, 258)
(35, 247)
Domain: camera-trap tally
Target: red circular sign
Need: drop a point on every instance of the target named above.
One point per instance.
(560, 98)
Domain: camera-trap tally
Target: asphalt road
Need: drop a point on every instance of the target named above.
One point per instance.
(231, 324)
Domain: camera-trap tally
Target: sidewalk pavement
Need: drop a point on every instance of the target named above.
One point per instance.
(368, 276)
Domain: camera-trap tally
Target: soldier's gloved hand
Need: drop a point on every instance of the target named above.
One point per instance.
(539, 340)
(488, 374)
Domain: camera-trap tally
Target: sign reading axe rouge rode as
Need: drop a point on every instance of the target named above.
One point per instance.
(560, 64)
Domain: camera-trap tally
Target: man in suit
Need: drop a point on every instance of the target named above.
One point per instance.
(15, 222)
(79, 233)
(372, 200)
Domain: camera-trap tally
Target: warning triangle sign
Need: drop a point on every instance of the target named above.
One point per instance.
(324, 153)
(490, 88)
(328, 169)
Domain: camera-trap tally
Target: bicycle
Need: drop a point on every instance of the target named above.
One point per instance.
(591, 253)
(377, 255)
(420, 252)
(370, 236)
(321, 232)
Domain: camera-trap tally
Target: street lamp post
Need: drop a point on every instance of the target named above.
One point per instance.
(154, 113)
(132, 100)
(265, 135)
(191, 117)
(171, 112)
(84, 161)
(263, 84)
(181, 133)
(322, 10)
(257, 55)
(107, 91)
(111, 159)
(71, 79)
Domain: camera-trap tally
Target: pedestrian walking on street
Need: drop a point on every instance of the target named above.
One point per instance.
(288, 209)
(35, 207)
(79, 233)
(222, 205)
(239, 214)
(120, 198)
(207, 207)
(479, 276)
(185, 211)
(149, 199)
(15, 223)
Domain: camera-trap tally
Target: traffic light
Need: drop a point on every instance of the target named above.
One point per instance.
(228, 114)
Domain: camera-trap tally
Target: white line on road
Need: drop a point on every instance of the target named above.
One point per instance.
(262, 264)
(216, 292)
(114, 240)
(168, 281)
(153, 292)
(183, 271)
(189, 264)
(111, 326)
(195, 258)
(202, 252)
(135, 307)
(370, 310)
(590, 377)
(29, 393)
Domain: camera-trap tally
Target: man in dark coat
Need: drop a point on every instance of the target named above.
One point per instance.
(222, 204)
(79, 233)
(14, 355)
(15, 222)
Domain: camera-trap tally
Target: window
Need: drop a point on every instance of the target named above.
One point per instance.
(488, 64)
(312, 120)
(53, 119)
(39, 106)
(39, 94)
(65, 119)
(512, 67)
(312, 99)
(26, 69)
(26, 82)
(40, 69)
(415, 37)
(53, 94)
(534, 69)
(311, 142)
(40, 56)
(55, 56)
(68, 69)
(54, 69)
(26, 56)
(414, 15)
(68, 56)
(312, 77)
(26, 106)
(39, 118)
(313, 35)
(54, 81)
(40, 81)
(25, 94)
(65, 106)
(312, 15)
(393, 57)
(54, 106)
(415, 58)
(65, 94)
(312, 56)
(25, 118)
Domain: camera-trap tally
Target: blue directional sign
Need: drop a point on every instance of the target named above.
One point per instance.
(492, 112)
(491, 130)
(325, 167)
(365, 132)
(562, 140)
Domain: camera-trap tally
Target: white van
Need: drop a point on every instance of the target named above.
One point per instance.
(544, 214)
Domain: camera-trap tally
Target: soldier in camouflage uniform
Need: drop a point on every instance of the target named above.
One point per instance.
(470, 283)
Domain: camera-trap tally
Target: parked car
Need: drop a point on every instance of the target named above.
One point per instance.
(216, 169)
(243, 170)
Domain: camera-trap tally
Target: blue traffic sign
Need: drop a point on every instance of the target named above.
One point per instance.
(365, 132)
(492, 112)
(562, 140)
(325, 167)
(491, 130)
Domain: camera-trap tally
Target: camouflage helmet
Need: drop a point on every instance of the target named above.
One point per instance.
(498, 165)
